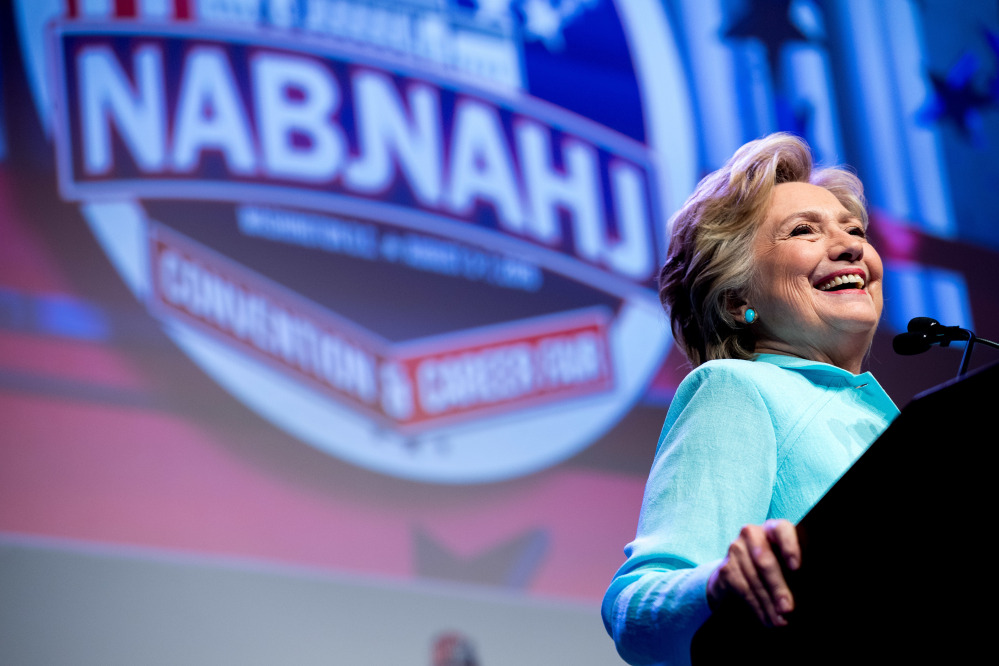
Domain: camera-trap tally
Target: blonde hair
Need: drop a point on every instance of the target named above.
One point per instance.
(710, 257)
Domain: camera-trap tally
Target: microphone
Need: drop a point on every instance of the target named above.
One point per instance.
(937, 331)
(910, 344)
(923, 332)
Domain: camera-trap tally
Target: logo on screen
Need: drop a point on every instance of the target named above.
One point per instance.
(420, 237)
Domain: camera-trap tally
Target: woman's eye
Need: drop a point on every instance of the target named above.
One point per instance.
(858, 231)
(801, 230)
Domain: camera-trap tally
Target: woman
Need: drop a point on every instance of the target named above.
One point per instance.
(774, 294)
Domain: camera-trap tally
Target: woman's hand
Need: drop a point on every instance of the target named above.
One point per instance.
(752, 571)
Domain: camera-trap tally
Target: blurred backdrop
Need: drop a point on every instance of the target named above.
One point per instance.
(328, 329)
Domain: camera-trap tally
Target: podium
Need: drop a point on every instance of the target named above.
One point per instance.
(898, 559)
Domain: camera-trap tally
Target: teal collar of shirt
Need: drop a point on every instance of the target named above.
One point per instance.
(824, 372)
(832, 376)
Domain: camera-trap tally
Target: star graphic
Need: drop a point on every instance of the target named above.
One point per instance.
(956, 99)
(769, 22)
(543, 21)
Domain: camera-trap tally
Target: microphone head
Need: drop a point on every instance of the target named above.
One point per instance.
(910, 344)
(922, 325)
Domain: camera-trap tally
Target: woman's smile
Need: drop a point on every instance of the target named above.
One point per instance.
(848, 279)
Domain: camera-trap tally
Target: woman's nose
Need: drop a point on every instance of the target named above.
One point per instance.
(846, 247)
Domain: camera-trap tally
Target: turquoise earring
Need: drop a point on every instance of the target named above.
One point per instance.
(750, 315)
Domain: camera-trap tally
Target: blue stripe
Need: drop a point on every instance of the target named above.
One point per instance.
(59, 316)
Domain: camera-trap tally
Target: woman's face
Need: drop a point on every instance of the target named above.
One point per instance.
(817, 283)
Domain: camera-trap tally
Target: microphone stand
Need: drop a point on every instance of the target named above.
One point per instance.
(966, 356)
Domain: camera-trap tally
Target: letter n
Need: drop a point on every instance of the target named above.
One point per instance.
(108, 98)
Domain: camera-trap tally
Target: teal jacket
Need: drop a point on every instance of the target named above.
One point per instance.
(744, 441)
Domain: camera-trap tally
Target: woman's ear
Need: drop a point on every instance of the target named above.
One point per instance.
(736, 306)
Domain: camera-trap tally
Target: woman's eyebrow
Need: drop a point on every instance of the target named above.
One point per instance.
(808, 215)
(847, 217)
(817, 216)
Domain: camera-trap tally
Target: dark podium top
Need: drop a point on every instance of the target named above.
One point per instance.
(898, 561)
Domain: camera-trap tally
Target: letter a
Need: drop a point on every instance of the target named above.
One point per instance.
(208, 86)
(481, 167)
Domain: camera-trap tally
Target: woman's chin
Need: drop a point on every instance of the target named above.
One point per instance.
(852, 313)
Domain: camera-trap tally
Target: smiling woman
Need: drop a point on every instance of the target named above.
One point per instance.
(818, 281)
(774, 294)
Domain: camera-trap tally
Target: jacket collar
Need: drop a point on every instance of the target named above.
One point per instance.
(806, 366)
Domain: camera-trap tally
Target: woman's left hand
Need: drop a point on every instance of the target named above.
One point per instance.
(752, 571)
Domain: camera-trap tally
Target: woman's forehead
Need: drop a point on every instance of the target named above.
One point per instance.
(790, 201)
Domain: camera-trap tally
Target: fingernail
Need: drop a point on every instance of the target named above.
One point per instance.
(783, 605)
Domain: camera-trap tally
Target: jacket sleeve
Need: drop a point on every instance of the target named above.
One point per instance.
(713, 472)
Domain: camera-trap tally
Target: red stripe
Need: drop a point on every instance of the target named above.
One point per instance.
(124, 8)
(182, 9)
(71, 9)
